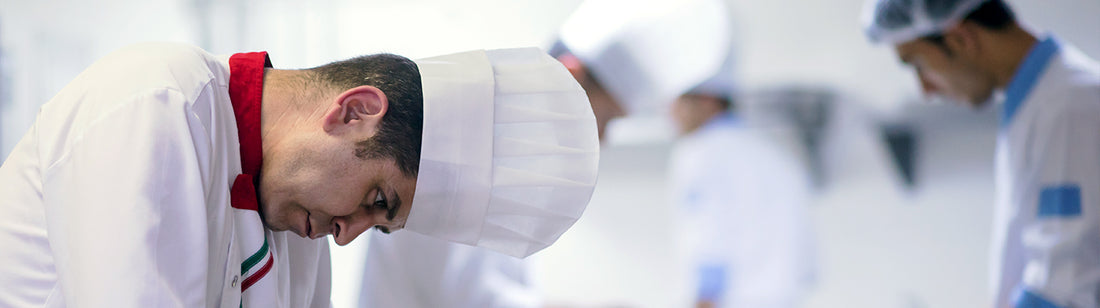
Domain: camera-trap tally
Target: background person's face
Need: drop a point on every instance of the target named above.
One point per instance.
(320, 187)
(604, 106)
(691, 111)
(943, 74)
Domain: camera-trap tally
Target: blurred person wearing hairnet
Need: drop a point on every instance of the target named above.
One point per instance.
(742, 197)
(164, 176)
(1046, 248)
(630, 56)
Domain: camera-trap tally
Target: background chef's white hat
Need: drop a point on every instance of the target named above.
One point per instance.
(899, 21)
(510, 150)
(648, 52)
(723, 83)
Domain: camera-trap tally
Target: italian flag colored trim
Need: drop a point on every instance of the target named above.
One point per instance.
(253, 273)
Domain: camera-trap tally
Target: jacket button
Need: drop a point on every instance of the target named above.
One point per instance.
(233, 284)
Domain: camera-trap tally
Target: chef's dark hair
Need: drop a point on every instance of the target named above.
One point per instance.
(993, 14)
(399, 132)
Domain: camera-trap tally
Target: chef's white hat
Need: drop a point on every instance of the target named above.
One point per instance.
(724, 81)
(648, 52)
(510, 150)
(899, 21)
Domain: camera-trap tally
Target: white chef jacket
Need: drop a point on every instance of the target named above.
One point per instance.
(406, 269)
(743, 200)
(119, 196)
(1046, 248)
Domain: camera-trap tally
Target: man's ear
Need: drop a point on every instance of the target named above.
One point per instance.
(358, 109)
(962, 39)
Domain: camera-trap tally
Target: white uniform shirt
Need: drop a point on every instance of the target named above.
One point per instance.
(119, 196)
(406, 269)
(744, 203)
(1047, 221)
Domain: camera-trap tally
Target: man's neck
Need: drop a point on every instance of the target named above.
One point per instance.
(1009, 49)
(287, 106)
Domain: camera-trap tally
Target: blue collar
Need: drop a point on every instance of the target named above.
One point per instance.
(1026, 76)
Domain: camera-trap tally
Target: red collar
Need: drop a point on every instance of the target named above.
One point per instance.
(246, 86)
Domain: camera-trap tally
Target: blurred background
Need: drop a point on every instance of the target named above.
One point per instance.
(903, 188)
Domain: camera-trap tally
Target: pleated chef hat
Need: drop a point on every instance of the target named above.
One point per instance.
(510, 150)
(648, 52)
(899, 21)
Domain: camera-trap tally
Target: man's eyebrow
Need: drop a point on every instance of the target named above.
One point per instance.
(392, 213)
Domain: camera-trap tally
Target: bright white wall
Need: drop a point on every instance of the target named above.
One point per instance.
(619, 254)
(885, 245)
(45, 44)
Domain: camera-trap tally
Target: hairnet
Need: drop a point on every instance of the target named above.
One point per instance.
(898, 21)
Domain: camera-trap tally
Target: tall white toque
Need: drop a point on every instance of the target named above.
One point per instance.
(510, 150)
(648, 52)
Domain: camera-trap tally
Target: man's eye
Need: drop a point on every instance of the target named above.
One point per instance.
(380, 201)
(383, 229)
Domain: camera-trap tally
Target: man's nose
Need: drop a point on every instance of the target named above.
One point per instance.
(347, 228)
(927, 87)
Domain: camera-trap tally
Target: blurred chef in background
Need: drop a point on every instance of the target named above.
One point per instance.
(743, 200)
(1046, 252)
(630, 57)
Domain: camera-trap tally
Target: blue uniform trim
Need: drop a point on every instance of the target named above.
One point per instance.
(712, 282)
(1060, 201)
(1026, 76)
(1026, 299)
(692, 200)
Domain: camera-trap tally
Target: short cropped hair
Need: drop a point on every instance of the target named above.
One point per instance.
(399, 133)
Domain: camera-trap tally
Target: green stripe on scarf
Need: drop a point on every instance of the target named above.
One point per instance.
(252, 260)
